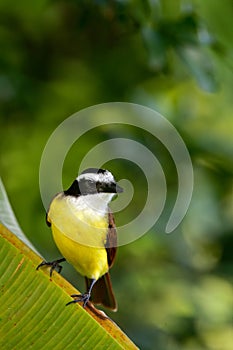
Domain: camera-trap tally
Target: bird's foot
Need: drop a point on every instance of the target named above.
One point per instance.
(54, 265)
(80, 298)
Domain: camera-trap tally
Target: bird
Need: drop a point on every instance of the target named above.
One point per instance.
(84, 230)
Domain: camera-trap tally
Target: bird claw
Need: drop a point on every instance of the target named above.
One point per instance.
(54, 265)
(80, 298)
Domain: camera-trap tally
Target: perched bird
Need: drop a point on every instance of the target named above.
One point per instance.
(84, 231)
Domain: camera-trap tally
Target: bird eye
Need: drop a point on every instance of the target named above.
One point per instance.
(98, 186)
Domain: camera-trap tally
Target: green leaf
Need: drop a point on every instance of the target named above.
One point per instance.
(155, 46)
(200, 66)
(32, 307)
(8, 219)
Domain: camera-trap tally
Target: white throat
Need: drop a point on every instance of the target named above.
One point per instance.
(97, 202)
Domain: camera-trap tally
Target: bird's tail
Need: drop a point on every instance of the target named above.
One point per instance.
(102, 292)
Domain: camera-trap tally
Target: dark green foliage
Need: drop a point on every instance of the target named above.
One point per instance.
(57, 57)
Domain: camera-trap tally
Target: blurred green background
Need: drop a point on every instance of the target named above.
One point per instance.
(58, 57)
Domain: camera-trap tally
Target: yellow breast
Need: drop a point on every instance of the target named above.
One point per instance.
(80, 234)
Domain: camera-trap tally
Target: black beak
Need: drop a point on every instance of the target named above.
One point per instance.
(119, 189)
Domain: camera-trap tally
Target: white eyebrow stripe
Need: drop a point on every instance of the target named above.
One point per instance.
(106, 177)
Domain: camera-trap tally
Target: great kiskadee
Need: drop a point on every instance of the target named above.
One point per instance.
(84, 231)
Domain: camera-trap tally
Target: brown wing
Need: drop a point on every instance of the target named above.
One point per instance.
(111, 242)
(48, 222)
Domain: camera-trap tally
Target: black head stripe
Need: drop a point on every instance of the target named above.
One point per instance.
(92, 181)
(73, 190)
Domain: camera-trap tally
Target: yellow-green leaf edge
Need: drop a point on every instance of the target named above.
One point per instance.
(33, 314)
